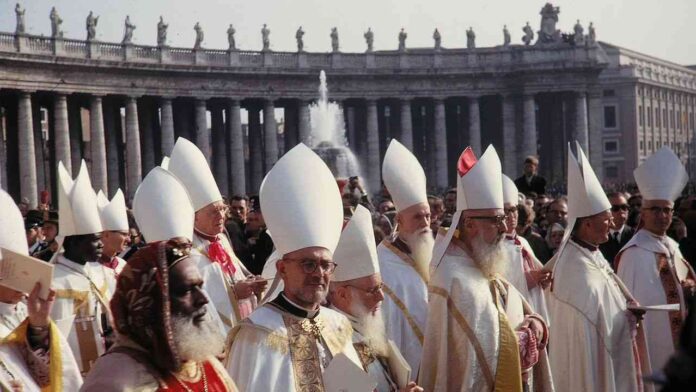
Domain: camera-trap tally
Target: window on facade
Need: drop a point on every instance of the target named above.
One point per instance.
(664, 117)
(658, 123)
(611, 172)
(610, 117)
(650, 123)
(640, 116)
(611, 146)
(678, 119)
(650, 145)
(608, 93)
(642, 146)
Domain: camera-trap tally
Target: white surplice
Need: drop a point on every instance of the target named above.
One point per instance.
(263, 355)
(461, 347)
(82, 299)
(219, 286)
(637, 268)
(591, 348)
(515, 274)
(405, 306)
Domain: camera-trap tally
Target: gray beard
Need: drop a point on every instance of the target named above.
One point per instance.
(490, 258)
(371, 327)
(196, 343)
(421, 244)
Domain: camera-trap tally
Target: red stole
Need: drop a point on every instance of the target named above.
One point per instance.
(218, 254)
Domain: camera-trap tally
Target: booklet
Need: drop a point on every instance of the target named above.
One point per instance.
(400, 369)
(657, 308)
(343, 375)
(21, 272)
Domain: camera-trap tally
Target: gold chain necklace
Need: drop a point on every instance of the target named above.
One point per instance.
(205, 380)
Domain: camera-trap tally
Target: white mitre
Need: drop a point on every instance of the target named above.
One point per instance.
(188, 163)
(162, 207)
(301, 203)
(356, 253)
(510, 193)
(12, 234)
(78, 213)
(479, 187)
(662, 176)
(403, 176)
(114, 216)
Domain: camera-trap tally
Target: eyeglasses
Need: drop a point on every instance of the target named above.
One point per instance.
(657, 210)
(221, 210)
(311, 266)
(619, 207)
(496, 220)
(373, 291)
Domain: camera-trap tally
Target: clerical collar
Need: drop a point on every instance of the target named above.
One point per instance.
(208, 237)
(584, 244)
(71, 265)
(282, 302)
(401, 245)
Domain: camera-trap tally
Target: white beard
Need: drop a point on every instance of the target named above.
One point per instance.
(371, 327)
(421, 244)
(196, 343)
(490, 258)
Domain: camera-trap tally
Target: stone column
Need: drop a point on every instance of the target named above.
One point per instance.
(147, 137)
(113, 131)
(75, 122)
(509, 142)
(202, 134)
(440, 144)
(595, 133)
(290, 134)
(219, 149)
(61, 131)
(350, 128)
(97, 145)
(255, 149)
(372, 138)
(167, 125)
(581, 129)
(133, 155)
(234, 127)
(305, 121)
(475, 126)
(529, 131)
(406, 124)
(270, 135)
(27, 152)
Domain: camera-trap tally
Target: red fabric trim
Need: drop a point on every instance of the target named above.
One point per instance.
(466, 161)
(669, 284)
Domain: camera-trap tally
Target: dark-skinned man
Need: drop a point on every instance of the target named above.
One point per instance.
(288, 343)
(233, 290)
(650, 264)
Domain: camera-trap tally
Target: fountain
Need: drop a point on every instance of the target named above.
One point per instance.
(328, 134)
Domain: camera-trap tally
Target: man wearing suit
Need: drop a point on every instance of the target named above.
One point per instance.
(530, 181)
(621, 233)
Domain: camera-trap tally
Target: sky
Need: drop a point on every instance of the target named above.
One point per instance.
(664, 29)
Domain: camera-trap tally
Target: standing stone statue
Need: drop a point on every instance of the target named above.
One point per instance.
(548, 32)
(128, 34)
(402, 40)
(369, 39)
(265, 32)
(55, 24)
(528, 34)
(470, 38)
(579, 34)
(230, 38)
(334, 39)
(21, 27)
(591, 35)
(91, 24)
(437, 38)
(506, 36)
(199, 36)
(162, 32)
(300, 40)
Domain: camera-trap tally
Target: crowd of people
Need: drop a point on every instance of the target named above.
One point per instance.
(497, 284)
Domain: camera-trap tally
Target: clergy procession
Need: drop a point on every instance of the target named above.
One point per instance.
(152, 295)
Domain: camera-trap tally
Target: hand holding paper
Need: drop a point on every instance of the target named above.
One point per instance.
(20, 272)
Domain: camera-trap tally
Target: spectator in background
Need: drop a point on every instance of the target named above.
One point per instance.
(33, 224)
(260, 242)
(635, 202)
(621, 233)
(437, 209)
(386, 206)
(23, 206)
(235, 226)
(530, 181)
(554, 237)
(450, 201)
(678, 232)
(524, 228)
(356, 189)
(50, 231)
(558, 212)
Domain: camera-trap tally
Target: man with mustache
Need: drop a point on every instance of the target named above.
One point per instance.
(287, 343)
(404, 259)
(481, 333)
(81, 283)
(596, 345)
(116, 234)
(166, 337)
(651, 264)
(232, 288)
(356, 292)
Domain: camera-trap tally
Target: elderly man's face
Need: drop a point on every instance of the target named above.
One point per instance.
(414, 218)
(511, 217)
(598, 227)
(488, 223)
(211, 219)
(186, 291)
(657, 215)
(306, 275)
(115, 241)
(367, 291)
